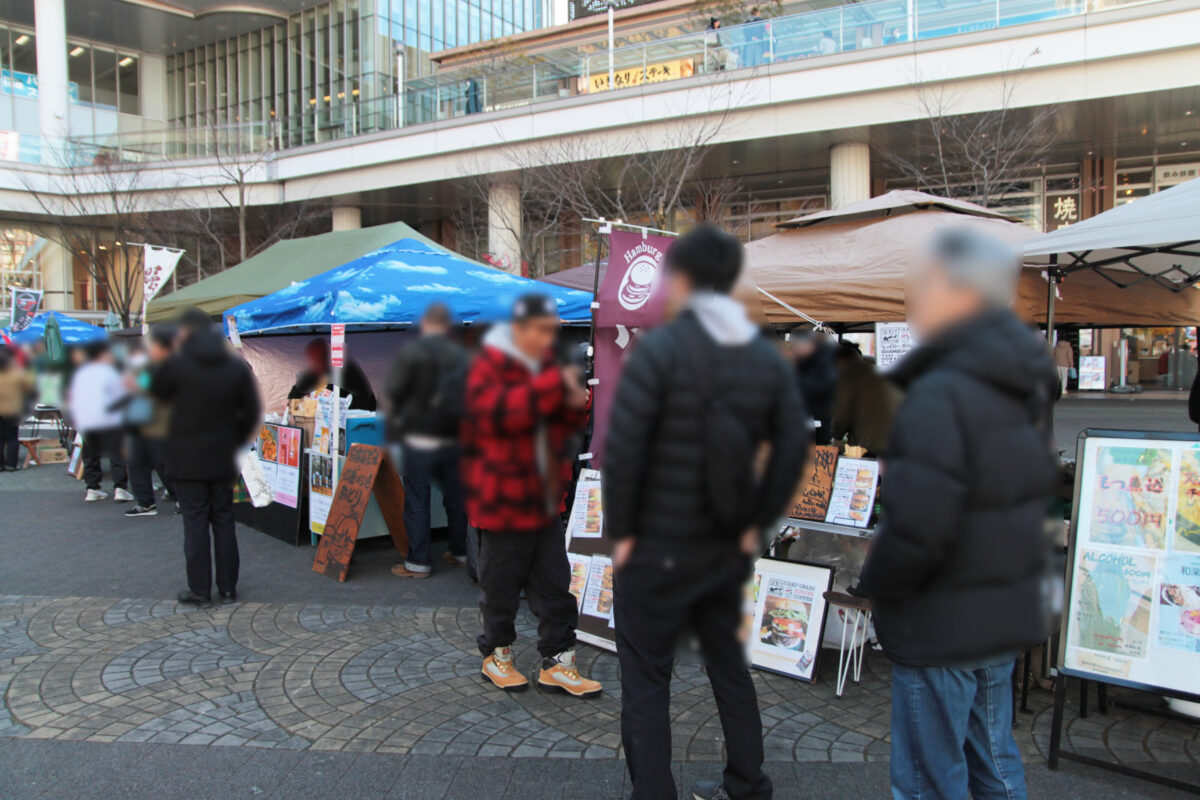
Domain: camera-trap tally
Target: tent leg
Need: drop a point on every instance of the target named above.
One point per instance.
(1052, 278)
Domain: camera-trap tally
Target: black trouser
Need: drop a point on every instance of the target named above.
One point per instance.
(10, 427)
(108, 443)
(536, 562)
(206, 504)
(664, 588)
(146, 454)
(423, 469)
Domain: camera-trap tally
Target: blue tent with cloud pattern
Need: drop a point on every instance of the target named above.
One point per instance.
(73, 331)
(391, 288)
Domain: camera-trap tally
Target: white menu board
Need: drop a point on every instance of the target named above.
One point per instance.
(1091, 374)
(788, 602)
(853, 497)
(598, 596)
(1132, 611)
(892, 341)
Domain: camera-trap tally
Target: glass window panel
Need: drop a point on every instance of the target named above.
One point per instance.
(104, 65)
(79, 71)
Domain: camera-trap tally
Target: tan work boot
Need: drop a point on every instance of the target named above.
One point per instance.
(401, 571)
(500, 670)
(560, 674)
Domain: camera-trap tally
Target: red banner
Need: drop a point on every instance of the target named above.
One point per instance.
(630, 300)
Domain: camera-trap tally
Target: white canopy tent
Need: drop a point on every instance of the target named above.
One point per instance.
(1156, 239)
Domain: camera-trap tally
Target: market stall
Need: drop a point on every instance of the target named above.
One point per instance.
(366, 307)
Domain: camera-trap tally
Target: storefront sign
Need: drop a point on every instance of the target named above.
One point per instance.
(786, 610)
(636, 76)
(629, 301)
(1091, 373)
(1175, 173)
(1061, 210)
(853, 497)
(893, 340)
(1133, 593)
(813, 499)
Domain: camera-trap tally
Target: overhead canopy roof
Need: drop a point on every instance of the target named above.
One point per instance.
(71, 330)
(850, 265)
(1154, 240)
(280, 265)
(392, 286)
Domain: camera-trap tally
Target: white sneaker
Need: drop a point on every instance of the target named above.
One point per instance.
(93, 495)
(122, 495)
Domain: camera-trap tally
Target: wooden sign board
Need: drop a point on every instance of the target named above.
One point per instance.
(365, 471)
(812, 500)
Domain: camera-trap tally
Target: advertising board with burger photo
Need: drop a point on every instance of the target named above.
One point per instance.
(789, 615)
(852, 501)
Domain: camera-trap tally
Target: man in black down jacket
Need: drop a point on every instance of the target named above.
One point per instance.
(426, 421)
(677, 566)
(214, 411)
(957, 571)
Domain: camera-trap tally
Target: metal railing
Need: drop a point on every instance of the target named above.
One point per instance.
(474, 90)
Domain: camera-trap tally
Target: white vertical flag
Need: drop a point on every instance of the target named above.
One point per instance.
(158, 263)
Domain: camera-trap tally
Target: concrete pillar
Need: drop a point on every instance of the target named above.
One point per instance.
(849, 173)
(50, 20)
(58, 276)
(504, 223)
(347, 218)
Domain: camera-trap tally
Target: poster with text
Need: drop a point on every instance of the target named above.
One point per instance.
(1178, 625)
(598, 595)
(587, 518)
(320, 490)
(812, 501)
(1129, 507)
(893, 340)
(1113, 592)
(789, 613)
(1091, 374)
(279, 458)
(1133, 602)
(1187, 503)
(580, 565)
(853, 498)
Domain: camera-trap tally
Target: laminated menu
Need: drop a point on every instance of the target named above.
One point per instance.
(853, 496)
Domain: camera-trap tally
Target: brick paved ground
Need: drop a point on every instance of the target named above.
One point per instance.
(313, 689)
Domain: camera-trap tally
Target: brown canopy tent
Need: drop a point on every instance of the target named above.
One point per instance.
(849, 265)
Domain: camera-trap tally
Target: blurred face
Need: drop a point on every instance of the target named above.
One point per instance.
(535, 337)
(314, 358)
(157, 351)
(803, 347)
(935, 302)
(679, 289)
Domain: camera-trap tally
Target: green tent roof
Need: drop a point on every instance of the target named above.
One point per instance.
(278, 266)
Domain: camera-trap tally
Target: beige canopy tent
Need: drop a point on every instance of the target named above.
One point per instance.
(280, 265)
(849, 265)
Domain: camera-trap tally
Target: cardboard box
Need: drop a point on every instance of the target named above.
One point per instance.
(53, 455)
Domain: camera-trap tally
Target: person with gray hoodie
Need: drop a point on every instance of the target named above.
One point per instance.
(698, 399)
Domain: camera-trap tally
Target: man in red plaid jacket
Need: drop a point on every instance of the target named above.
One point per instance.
(523, 414)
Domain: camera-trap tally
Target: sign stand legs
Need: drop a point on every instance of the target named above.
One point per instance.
(1056, 752)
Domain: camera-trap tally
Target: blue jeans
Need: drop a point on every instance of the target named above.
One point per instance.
(952, 734)
(422, 468)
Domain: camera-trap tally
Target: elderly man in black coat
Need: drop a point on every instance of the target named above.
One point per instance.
(957, 573)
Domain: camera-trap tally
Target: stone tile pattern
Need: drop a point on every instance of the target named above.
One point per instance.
(406, 681)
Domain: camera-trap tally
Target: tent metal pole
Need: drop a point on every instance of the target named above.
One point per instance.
(1052, 277)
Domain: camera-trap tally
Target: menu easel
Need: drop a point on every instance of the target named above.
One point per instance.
(1131, 615)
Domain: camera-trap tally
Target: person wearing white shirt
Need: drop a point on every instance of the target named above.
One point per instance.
(95, 395)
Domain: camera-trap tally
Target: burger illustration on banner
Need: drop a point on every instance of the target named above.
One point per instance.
(640, 278)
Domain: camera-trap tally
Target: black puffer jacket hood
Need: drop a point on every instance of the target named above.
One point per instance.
(958, 569)
(995, 348)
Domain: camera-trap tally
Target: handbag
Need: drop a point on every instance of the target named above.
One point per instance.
(1073, 373)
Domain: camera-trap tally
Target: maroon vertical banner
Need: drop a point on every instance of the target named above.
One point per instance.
(630, 301)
